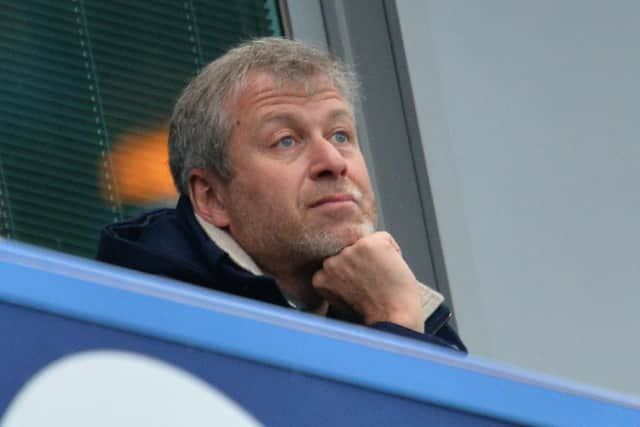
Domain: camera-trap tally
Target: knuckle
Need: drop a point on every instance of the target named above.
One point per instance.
(317, 280)
(388, 238)
(373, 243)
(366, 243)
(328, 263)
(386, 235)
(347, 251)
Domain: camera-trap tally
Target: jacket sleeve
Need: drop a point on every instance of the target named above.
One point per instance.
(437, 330)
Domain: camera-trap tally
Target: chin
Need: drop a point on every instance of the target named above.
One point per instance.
(325, 243)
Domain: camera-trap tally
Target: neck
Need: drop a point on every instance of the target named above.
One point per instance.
(296, 286)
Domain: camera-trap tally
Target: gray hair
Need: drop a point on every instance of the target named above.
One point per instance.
(200, 127)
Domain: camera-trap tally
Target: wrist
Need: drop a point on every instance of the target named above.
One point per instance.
(407, 317)
(409, 321)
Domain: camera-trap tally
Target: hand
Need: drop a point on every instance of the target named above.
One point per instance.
(372, 279)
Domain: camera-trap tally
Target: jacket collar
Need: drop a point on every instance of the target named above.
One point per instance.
(228, 244)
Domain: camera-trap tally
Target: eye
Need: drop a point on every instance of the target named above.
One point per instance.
(286, 142)
(340, 138)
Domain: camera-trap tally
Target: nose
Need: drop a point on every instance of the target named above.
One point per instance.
(327, 161)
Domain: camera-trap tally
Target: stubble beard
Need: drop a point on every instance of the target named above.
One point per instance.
(316, 245)
(286, 245)
(313, 242)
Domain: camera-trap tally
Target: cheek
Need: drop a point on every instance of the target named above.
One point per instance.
(283, 182)
(272, 192)
(266, 181)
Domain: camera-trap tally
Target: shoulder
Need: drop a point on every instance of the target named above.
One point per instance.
(167, 242)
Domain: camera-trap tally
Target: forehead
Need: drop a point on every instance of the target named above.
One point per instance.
(261, 90)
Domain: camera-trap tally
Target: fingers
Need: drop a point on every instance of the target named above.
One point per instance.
(320, 281)
(373, 241)
(352, 261)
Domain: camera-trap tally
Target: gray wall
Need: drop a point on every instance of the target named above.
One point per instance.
(529, 120)
(390, 143)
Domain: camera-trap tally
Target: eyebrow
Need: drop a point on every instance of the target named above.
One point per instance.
(333, 115)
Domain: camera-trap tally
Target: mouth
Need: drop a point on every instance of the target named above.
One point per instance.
(334, 200)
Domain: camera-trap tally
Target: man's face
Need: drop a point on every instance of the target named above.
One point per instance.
(300, 189)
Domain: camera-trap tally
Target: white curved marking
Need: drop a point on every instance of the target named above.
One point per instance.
(116, 388)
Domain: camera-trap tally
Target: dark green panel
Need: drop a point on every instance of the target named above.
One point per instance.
(75, 76)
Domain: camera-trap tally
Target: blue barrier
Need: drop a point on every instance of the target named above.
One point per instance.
(281, 366)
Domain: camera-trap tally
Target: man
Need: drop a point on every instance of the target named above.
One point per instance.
(276, 203)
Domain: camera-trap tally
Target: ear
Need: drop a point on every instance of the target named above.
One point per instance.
(207, 194)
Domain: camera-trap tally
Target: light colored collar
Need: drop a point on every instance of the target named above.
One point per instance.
(228, 244)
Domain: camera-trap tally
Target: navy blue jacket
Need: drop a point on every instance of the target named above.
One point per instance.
(170, 242)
